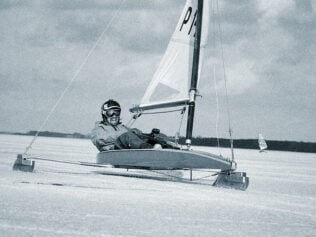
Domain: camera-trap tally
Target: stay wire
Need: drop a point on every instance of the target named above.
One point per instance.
(224, 75)
(217, 111)
(213, 15)
(73, 78)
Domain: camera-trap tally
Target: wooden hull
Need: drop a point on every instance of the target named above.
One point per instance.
(164, 159)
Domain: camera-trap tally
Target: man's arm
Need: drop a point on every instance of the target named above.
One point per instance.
(102, 139)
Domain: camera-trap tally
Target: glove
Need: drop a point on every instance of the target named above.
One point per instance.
(136, 131)
(155, 131)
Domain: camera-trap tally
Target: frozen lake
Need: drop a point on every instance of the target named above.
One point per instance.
(69, 200)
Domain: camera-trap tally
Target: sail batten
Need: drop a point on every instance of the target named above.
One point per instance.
(171, 81)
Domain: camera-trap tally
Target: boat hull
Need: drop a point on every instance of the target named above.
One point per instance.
(164, 159)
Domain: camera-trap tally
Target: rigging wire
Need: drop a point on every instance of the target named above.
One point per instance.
(137, 115)
(133, 119)
(73, 78)
(213, 15)
(224, 75)
(177, 136)
(217, 111)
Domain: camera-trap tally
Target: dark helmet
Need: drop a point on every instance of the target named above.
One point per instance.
(108, 107)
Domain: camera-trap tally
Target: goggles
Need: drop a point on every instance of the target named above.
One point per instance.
(112, 112)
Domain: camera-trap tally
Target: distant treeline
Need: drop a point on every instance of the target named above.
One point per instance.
(205, 141)
(253, 144)
(50, 134)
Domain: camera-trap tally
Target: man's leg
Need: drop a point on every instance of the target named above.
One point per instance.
(130, 140)
(161, 139)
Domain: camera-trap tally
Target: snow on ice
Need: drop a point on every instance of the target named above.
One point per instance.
(71, 200)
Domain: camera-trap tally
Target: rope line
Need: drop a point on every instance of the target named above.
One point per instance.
(177, 136)
(73, 78)
(164, 112)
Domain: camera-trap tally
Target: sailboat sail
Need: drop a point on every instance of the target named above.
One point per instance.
(262, 143)
(170, 84)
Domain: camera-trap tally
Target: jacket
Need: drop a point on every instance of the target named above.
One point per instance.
(104, 135)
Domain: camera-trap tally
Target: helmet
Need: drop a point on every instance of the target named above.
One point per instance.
(110, 107)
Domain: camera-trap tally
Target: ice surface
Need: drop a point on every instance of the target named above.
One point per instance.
(69, 200)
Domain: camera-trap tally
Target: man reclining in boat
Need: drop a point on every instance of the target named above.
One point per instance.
(111, 134)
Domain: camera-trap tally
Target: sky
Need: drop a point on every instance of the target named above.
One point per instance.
(269, 55)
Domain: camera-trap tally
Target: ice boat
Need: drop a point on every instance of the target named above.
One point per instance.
(174, 84)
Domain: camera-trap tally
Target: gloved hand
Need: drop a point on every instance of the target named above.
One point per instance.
(155, 131)
(136, 131)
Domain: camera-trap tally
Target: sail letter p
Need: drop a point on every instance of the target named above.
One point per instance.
(186, 17)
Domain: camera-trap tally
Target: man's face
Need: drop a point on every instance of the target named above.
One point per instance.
(113, 116)
(114, 120)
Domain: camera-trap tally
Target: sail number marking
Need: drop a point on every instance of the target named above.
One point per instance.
(186, 19)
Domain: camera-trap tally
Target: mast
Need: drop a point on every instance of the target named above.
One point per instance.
(195, 72)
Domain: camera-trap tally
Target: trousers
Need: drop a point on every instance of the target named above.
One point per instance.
(131, 140)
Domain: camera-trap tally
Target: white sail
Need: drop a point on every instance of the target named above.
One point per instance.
(262, 143)
(170, 83)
